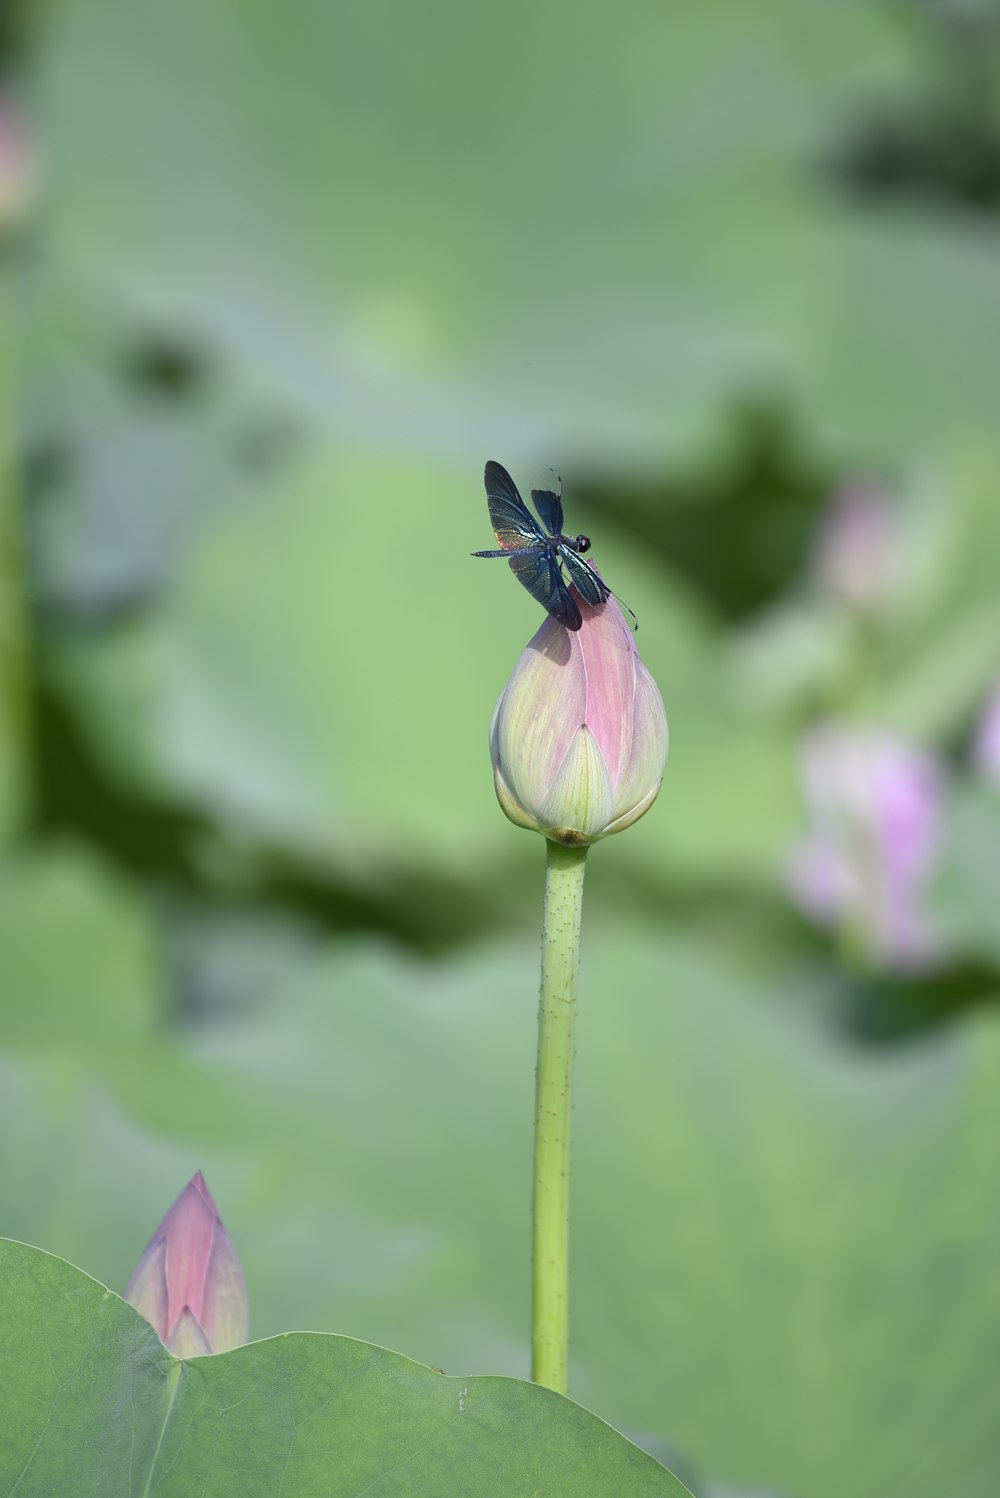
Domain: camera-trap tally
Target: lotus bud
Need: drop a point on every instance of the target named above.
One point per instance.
(579, 737)
(189, 1284)
(875, 805)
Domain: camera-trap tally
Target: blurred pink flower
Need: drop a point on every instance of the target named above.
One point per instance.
(986, 741)
(856, 554)
(188, 1283)
(579, 737)
(875, 808)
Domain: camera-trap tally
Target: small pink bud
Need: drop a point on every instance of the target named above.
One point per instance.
(579, 736)
(189, 1284)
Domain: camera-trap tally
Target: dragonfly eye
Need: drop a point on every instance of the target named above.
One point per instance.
(582, 543)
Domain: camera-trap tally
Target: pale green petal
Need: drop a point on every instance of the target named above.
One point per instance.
(582, 798)
(510, 806)
(188, 1339)
(634, 813)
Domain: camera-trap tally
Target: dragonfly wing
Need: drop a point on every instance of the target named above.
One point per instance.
(591, 588)
(549, 505)
(539, 573)
(520, 551)
(512, 522)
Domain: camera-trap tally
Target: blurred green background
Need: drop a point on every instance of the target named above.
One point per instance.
(275, 282)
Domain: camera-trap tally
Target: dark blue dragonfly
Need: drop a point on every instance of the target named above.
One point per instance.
(541, 563)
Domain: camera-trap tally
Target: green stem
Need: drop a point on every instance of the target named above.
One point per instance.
(564, 872)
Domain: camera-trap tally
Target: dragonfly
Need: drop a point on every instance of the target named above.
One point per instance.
(541, 560)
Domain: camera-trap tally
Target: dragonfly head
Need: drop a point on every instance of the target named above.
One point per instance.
(581, 543)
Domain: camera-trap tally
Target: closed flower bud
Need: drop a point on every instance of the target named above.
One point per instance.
(579, 736)
(189, 1284)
